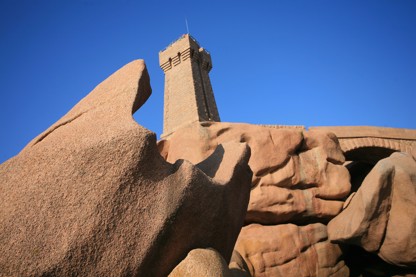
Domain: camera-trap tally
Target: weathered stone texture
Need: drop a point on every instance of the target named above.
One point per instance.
(91, 196)
(298, 177)
(290, 250)
(380, 216)
(202, 263)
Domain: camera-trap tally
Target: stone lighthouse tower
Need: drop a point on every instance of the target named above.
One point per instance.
(188, 92)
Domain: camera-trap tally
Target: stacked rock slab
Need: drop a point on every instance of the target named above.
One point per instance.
(91, 196)
(298, 185)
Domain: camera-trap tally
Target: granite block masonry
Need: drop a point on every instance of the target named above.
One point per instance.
(188, 91)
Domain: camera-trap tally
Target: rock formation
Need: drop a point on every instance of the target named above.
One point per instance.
(298, 177)
(96, 195)
(202, 263)
(91, 196)
(381, 216)
(300, 182)
(290, 250)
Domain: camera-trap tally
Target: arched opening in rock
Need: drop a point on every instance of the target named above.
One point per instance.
(368, 154)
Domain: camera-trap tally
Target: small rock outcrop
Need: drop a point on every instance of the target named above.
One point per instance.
(91, 196)
(202, 263)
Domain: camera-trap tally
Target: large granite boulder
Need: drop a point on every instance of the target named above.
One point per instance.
(290, 250)
(298, 176)
(298, 179)
(381, 216)
(91, 196)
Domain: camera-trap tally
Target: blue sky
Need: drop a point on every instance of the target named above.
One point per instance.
(312, 63)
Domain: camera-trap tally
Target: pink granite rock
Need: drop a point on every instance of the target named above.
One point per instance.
(297, 175)
(91, 196)
(380, 216)
(290, 250)
(202, 263)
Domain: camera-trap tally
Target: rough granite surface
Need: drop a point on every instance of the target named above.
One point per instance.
(91, 196)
